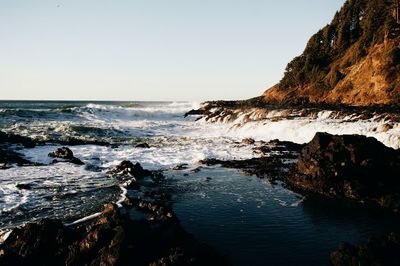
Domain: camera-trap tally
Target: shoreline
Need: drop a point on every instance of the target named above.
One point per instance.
(258, 166)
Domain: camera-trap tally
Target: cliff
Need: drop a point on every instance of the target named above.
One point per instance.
(354, 60)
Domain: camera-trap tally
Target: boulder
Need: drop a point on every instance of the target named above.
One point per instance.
(142, 145)
(63, 153)
(248, 141)
(349, 166)
(128, 168)
(383, 250)
(66, 154)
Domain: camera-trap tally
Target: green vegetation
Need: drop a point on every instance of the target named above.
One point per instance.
(358, 26)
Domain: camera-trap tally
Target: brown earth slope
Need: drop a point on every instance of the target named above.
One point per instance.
(354, 60)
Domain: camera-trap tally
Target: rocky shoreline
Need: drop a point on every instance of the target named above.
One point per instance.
(351, 167)
(112, 238)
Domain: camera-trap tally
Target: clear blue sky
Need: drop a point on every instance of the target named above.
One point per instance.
(152, 50)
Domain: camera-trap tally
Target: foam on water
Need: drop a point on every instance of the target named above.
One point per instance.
(173, 139)
(61, 190)
(303, 129)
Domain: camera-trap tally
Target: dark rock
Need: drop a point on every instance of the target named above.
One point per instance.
(62, 153)
(8, 138)
(66, 154)
(180, 167)
(350, 166)
(8, 157)
(24, 186)
(279, 146)
(383, 250)
(272, 167)
(76, 161)
(194, 112)
(196, 170)
(109, 239)
(128, 168)
(71, 141)
(143, 145)
(248, 141)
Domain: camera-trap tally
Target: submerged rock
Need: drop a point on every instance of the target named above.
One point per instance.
(109, 239)
(350, 166)
(272, 167)
(376, 251)
(66, 154)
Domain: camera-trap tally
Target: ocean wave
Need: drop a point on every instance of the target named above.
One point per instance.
(300, 126)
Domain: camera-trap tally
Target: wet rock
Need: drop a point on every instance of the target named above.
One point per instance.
(196, 170)
(349, 166)
(383, 250)
(128, 168)
(143, 145)
(156, 210)
(71, 141)
(109, 239)
(248, 141)
(180, 167)
(279, 146)
(35, 241)
(63, 153)
(8, 138)
(66, 154)
(272, 167)
(24, 186)
(8, 157)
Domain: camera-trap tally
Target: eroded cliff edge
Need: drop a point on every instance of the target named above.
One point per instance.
(354, 60)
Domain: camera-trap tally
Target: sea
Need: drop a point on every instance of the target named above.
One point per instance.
(246, 218)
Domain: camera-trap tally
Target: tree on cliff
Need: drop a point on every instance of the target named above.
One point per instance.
(359, 26)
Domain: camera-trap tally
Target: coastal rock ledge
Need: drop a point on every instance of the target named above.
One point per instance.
(112, 238)
(349, 166)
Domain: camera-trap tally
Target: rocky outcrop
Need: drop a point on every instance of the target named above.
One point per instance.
(7, 155)
(8, 138)
(130, 169)
(65, 154)
(383, 250)
(109, 239)
(349, 166)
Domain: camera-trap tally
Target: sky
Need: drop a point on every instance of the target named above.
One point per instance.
(171, 50)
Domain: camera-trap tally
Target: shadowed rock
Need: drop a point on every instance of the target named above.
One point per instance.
(66, 154)
(8, 138)
(376, 251)
(128, 168)
(142, 145)
(350, 166)
(109, 239)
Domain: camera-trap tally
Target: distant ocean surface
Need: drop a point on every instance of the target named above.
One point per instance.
(244, 217)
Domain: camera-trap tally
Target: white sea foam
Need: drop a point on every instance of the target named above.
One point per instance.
(84, 219)
(303, 129)
(173, 139)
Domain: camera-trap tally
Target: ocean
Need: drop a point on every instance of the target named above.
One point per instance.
(248, 219)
